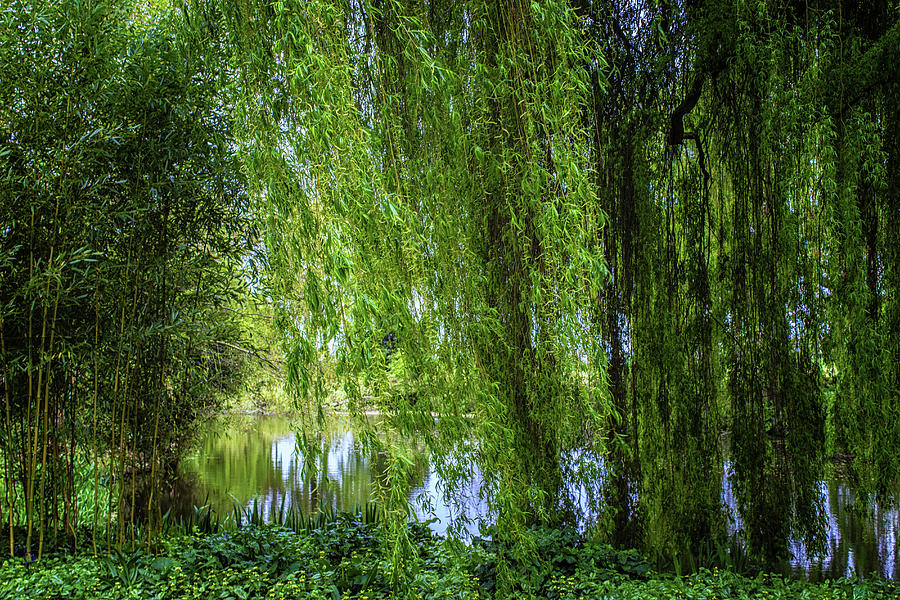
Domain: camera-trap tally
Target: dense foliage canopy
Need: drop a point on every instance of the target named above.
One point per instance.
(563, 246)
(626, 222)
(122, 215)
(429, 200)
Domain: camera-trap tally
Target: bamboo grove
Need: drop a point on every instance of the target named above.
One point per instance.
(585, 250)
(122, 211)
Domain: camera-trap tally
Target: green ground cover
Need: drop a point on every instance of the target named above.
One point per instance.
(347, 558)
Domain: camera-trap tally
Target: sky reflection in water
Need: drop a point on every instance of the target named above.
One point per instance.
(257, 457)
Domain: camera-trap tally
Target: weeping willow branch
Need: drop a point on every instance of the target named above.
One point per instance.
(676, 121)
(427, 182)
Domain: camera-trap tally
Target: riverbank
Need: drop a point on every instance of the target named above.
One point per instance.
(346, 559)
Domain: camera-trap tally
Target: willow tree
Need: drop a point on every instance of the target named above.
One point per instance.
(863, 226)
(774, 380)
(436, 177)
(423, 167)
(808, 211)
(657, 323)
(743, 153)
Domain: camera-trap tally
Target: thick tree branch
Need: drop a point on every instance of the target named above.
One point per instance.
(677, 134)
(676, 125)
(701, 157)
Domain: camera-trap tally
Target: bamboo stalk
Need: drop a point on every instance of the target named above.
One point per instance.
(162, 376)
(58, 468)
(115, 396)
(71, 491)
(26, 417)
(46, 420)
(120, 514)
(95, 433)
(29, 499)
(8, 451)
(122, 421)
(134, 450)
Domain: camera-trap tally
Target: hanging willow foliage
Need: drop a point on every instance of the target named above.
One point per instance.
(424, 173)
(436, 178)
(745, 153)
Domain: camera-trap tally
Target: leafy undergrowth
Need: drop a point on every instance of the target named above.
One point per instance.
(347, 559)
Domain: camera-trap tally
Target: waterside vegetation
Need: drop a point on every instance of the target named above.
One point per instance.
(562, 243)
(343, 556)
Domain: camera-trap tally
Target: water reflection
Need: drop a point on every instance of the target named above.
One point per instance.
(857, 540)
(257, 457)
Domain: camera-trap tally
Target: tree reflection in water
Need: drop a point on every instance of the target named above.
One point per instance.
(257, 458)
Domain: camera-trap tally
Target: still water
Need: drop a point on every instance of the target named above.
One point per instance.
(255, 458)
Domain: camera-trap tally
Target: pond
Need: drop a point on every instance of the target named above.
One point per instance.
(255, 458)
